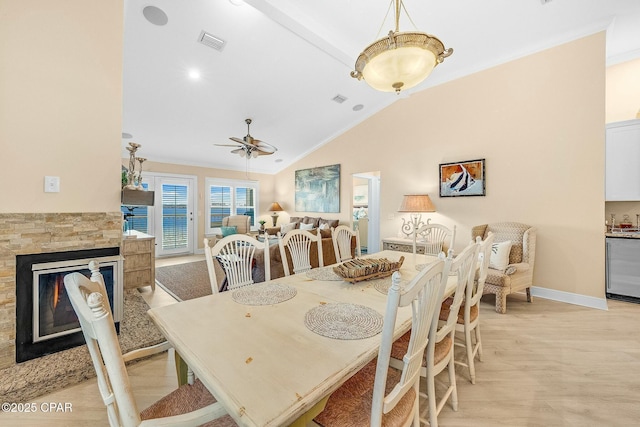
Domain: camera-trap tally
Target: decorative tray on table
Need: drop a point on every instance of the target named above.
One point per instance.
(361, 269)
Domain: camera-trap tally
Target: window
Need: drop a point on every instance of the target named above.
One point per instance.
(230, 197)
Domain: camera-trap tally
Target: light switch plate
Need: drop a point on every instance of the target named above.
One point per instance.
(51, 184)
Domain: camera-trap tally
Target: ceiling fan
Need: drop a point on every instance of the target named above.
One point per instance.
(249, 146)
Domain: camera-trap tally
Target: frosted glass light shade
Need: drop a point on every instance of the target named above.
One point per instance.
(399, 61)
(400, 68)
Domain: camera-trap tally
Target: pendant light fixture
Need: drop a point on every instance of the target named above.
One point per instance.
(401, 60)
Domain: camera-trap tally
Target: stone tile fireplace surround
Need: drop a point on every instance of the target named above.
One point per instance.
(25, 233)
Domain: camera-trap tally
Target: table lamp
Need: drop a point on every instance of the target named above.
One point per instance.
(275, 207)
(415, 204)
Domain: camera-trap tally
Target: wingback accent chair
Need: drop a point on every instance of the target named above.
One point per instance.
(241, 222)
(519, 273)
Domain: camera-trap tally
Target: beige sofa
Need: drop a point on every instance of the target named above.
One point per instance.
(315, 220)
(519, 273)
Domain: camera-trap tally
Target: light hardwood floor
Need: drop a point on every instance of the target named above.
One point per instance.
(545, 364)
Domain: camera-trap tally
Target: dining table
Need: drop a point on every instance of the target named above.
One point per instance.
(272, 353)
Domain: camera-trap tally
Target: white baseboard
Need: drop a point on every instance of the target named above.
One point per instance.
(569, 298)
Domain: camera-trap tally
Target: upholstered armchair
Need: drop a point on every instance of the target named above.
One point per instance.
(241, 222)
(518, 274)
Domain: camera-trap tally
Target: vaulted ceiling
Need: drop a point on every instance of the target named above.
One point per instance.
(284, 61)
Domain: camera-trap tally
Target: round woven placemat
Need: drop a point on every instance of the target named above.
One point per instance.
(263, 294)
(344, 321)
(323, 273)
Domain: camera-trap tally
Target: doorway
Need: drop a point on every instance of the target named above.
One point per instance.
(365, 207)
(171, 218)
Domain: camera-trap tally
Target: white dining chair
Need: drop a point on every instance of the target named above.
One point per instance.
(296, 246)
(435, 238)
(377, 394)
(187, 405)
(468, 322)
(342, 237)
(440, 349)
(236, 255)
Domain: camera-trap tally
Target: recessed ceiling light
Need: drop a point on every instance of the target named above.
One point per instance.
(126, 135)
(278, 160)
(194, 74)
(236, 2)
(155, 15)
(358, 107)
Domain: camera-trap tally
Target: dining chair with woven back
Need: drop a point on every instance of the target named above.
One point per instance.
(235, 255)
(296, 246)
(378, 394)
(342, 237)
(439, 354)
(187, 405)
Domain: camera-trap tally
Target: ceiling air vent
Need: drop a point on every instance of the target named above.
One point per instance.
(212, 41)
(339, 99)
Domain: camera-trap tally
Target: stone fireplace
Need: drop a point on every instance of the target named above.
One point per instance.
(46, 233)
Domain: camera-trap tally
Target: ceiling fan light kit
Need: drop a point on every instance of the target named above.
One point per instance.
(401, 60)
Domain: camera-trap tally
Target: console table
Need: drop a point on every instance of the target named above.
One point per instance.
(138, 250)
(401, 244)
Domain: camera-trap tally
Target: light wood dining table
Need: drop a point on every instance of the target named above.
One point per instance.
(261, 361)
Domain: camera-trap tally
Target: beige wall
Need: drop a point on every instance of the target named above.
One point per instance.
(539, 123)
(265, 195)
(60, 104)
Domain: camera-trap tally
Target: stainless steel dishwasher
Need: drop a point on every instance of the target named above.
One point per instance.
(623, 268)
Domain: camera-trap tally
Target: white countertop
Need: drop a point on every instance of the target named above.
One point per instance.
(134, 234)
(624, 235)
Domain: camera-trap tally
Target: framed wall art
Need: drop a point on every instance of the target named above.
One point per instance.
(318, 189)
(462, 178)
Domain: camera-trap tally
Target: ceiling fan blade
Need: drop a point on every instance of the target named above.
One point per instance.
(237, 150)
(266, 148)
(226, 145)
(239, 141)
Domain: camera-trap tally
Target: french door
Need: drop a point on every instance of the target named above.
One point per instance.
(173, 213)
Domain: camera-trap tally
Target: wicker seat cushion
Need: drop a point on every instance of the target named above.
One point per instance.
(399, 349)
(444, 311)
(185, 399)
(350, 405)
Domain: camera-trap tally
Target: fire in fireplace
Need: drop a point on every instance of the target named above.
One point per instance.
(45, 320)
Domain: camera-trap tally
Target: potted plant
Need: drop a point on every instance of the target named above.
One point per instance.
(262, 222)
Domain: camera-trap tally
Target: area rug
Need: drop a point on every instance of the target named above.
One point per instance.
(185, 281)
(33, 378)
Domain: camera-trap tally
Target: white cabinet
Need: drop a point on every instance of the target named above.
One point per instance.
(622, 170)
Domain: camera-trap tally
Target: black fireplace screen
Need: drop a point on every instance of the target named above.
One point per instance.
(55, 315)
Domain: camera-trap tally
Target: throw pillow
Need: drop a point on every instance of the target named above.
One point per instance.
(228, 231)
(500, 255)
(304, 226)
(285, 228)
(323, 226)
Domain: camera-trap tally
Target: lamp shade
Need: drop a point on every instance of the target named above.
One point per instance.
(275, 206)
(416, 203)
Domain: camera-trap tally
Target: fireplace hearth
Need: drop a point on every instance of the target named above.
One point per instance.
(45, 320)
